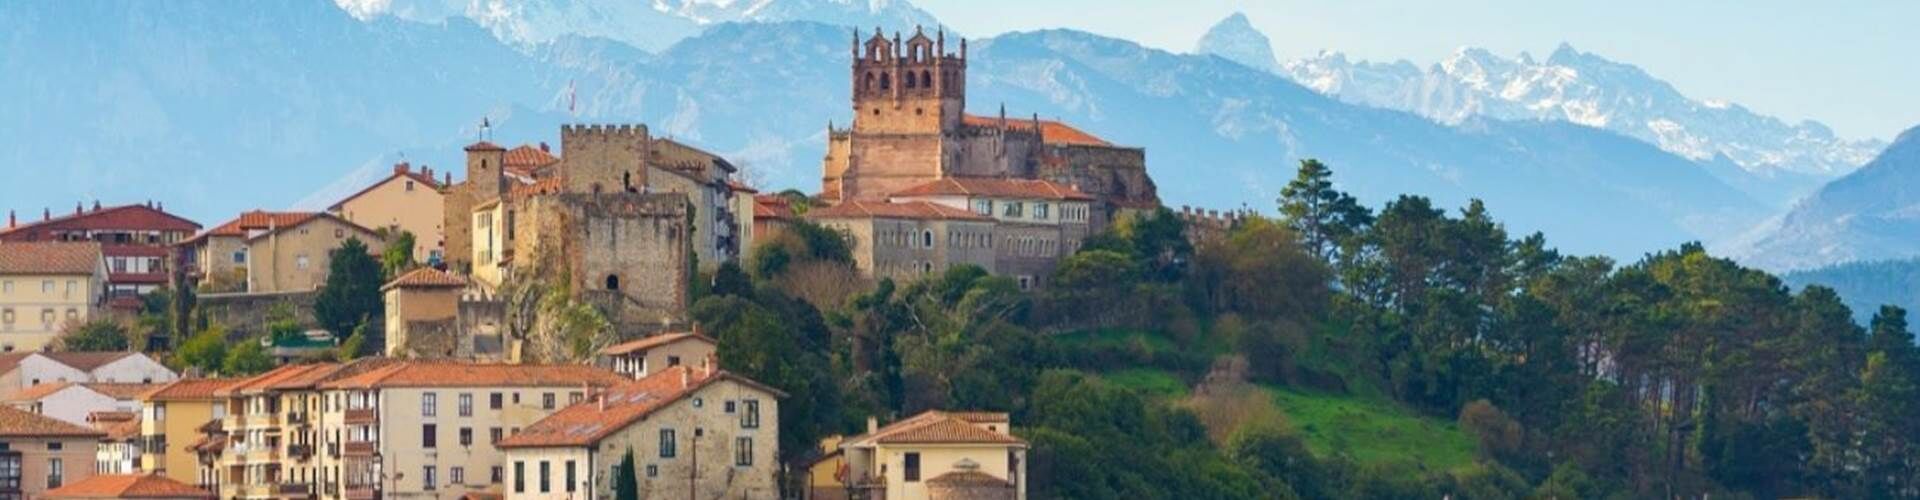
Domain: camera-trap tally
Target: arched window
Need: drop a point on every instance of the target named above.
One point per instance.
(927, 236)
(926, 78)
(926, 267)
(868, 84)
(886, 81)
(613, 282)
(910, 80)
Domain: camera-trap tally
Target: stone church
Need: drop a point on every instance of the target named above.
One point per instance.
(910, 127)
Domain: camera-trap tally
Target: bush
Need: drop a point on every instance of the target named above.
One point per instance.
(95, 336)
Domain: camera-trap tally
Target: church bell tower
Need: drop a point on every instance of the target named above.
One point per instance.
(908, 87)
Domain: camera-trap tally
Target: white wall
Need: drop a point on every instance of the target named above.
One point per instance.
(135, 369)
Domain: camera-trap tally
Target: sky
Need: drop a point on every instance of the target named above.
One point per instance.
(1846, 64)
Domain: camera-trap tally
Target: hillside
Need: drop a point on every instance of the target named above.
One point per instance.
(1871, 214)
(1865, 286)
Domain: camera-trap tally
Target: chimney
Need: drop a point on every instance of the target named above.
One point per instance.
(707, 365)
(543, 147)
(11, 221)
(449, 179)
(46, 214)
(873, 425)
(401, 168)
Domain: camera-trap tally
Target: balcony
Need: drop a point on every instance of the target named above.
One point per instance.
(300, 452)
(362, 492)
(297, 419)
(293, 490)
(360, 448)
(363, 416)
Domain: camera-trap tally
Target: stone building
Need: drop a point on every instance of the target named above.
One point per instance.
(935, 455)
(642, 357)
(910, 127)
(1036, 222)
(907, 240)
(407, 200)
(261, 252)
(695, 432)
(422, 308)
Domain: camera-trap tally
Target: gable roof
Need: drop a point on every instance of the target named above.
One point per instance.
(527, 159)
(87, 361)
(604, 414)
(459, 374)
(997, 188)
(916, 210)
(188, 389)
(50, 257)
(1051, 131)
(653, 341)
(401, 170)
(772, 206)
(127, 486)
(37, 391)
(254, 221)
(938, 427)
(309, 220)
(129, 217)
(426, 277)
(120, 391)
(21, 423)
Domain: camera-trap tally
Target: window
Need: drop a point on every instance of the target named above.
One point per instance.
(240, 256)
(339, 233)
(1040, 211)
(546, 476)
(73, 313)
(429, 404)
(300, 261)
(983, 207)
(7, 316)
(653, 470)
(493, 435)
(743, 452)
(1013, 209)
(74, 286)
(6, 286)
(673, 361)
(466, 405)
(466, 436)
(56, 446)
(751, 418)
(926, 238)
(667, 444)
(519, 477)
(729, 406)
(496, 474)
(699, 402)
(457, 475)
(1026, 282)
(912, 468)
(46, 286)
(546, 401)
(56, 473)
(409, 186)
(570, 479)
(493, 401)
(427, 479)
(428, 435)
(575, 397)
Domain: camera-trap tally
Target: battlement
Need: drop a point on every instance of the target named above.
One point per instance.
(1199, 218)
(596, 129)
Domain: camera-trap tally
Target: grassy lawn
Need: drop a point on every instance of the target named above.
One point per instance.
(1118, 337)
(1154, 382)
(1373, 432)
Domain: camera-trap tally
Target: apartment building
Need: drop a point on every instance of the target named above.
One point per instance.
(694, 432)
(135, 241)
(45, 286)
(172, 418)
(428, 429)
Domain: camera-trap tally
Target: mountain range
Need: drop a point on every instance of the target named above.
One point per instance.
(1774, 161)
(1872, 214)
(295, 103)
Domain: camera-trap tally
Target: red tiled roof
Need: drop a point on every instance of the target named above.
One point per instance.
(50, 257)
(889, 210)
(654, 341)
(37, 391)
(21, 423)
(257, 220)
(426, 277)
(112, 390)
(741, 187)
(120, 391)
(940, 427)
(127, 486)
(111, 416)
(527, 158)
(1051, 132)
(119, 430)
(548, 185)
(772, 206)
(11, 360)
(138, 217)
(457, 374)
(262, 381)
(589, 421)
(188, 389)
(998, 188)
(323, 215)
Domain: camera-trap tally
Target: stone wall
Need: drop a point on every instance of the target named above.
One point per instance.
(629, 243)
(245, 314)
(882, 164)
(604, 158)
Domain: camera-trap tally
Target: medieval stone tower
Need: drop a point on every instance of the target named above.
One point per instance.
(604, 158)
(914, 87)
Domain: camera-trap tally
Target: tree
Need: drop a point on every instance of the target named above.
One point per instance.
(729, 279)
(397, 257)
(354, 347)
(351, 295)
(1323, 217)
(626, 485)
(205, 351)
(94, 336)
(247, 358)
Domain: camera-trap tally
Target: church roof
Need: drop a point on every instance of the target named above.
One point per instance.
(1051, 131)
(997, 188)
(918, 210)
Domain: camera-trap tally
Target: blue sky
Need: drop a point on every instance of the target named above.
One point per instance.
(1847, 64)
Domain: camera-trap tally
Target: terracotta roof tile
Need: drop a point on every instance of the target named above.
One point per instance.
(138, 217)
(399, 171)
(650, 342)
(111, 416)
(20, 423)
(49, 257)
(918, 210)
(548, 185)
(11, 360)
(772, 206)
(257, 220)
(426, 277)
(1051, 132)
(527, 159)
(120, 391)
(998, 188)
(263, 381)
(127, 486)
(37, 391)
(741, 187)
(458, 374)
(589, 421)
(119, 431)
(940, 427)
(322, 215)
(188, 389)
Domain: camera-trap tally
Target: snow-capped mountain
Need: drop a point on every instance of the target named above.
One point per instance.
(650, 25)
(1235, 39)
(1872, 214)
(1777, 161)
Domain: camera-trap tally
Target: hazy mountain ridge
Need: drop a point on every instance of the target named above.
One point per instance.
(1871, 214)
(652, 25)
(1778, 161)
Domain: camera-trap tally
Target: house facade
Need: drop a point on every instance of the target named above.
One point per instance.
(76, 402)
(135, 241)
(642, 357)
(910, 240)
(21, 370)
(407, 200)
(936, 455)
(172, 418)
(423, 308)
(45, 286)
(264, 252)
(40, 453)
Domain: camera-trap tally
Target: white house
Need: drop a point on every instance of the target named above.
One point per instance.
(73, 402)
(22, 370)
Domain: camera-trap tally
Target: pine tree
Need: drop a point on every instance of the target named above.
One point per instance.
(352, 292)
(1323, 216)
(626, 484)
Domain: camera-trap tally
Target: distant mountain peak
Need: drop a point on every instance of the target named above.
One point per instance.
(1235, 39)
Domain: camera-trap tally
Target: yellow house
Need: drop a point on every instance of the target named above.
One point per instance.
(45, 286)
(934, 456)
(407, 200)
(171, 420)
(641, 357)
(296, 257)
(43, 453)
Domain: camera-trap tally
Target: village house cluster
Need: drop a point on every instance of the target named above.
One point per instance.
(467, 400)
